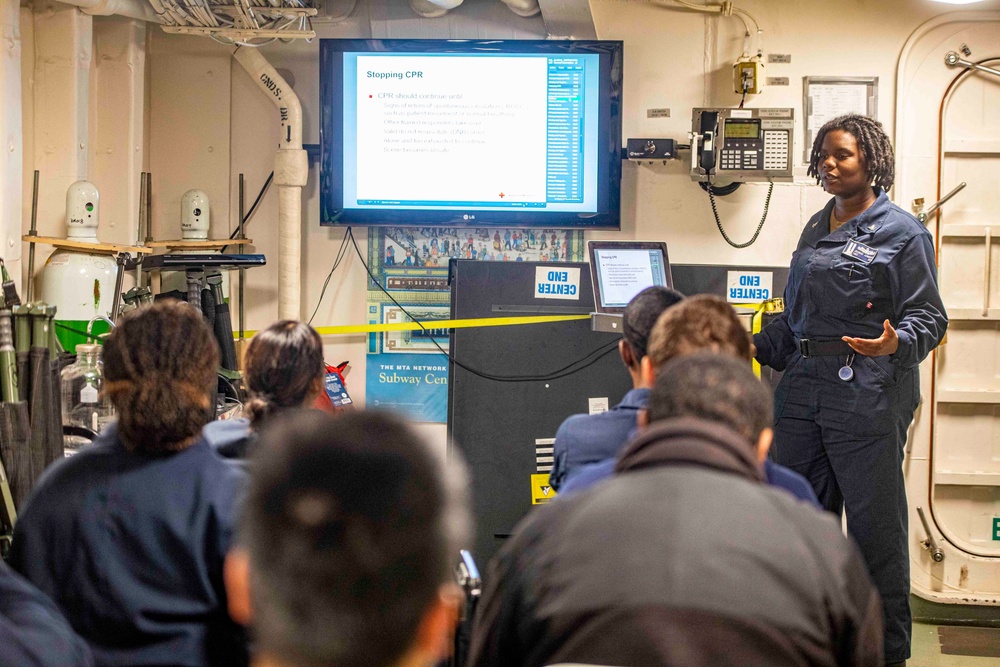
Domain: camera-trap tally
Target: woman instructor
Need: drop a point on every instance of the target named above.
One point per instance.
(862, 310)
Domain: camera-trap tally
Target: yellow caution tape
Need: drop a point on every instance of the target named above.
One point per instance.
(758, 320)
(756, 324)
(439, 324)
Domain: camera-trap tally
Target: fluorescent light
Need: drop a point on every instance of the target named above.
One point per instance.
(958, 2)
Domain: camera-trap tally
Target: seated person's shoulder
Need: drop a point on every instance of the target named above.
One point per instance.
(785, 478)
(77, 471)
(802, 520)
(575, 422)
(587, 476)
(230, 438)
(583, 425)
(32, 631)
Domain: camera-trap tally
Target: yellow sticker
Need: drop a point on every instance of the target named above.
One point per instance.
(541, 491)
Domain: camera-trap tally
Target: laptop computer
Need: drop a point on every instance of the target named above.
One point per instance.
(620, 270)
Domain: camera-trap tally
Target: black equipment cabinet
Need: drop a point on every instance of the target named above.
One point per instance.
(495, 423)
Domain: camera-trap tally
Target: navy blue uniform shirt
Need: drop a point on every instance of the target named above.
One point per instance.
(776, 475)
(830, 294)
(32, 631)
(131, 546)
(586, 439)
(604, 435)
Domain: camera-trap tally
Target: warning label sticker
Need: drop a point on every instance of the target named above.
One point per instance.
(541, 491)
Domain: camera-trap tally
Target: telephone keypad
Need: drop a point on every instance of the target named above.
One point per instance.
(747, 154)
(741, 155)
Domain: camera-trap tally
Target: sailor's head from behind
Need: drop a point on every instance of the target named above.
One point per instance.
(640, 315)
(700, 323)
(351, 527)
(716, 388)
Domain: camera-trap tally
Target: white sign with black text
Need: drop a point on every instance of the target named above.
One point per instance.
(749, 286)
(561, 282)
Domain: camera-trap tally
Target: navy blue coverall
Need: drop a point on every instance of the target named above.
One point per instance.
(130, 545)
(847, 437)
(32, 631)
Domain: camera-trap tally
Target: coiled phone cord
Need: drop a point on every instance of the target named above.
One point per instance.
(715, 211)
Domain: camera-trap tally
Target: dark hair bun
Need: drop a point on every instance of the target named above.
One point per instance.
(160, 365)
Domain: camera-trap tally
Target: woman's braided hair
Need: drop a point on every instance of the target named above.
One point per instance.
(873, 142)
(160, 367)
(281, 367)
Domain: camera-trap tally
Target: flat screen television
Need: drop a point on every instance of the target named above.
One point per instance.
(471, 133)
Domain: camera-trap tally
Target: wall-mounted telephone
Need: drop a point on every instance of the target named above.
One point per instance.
(741, 145)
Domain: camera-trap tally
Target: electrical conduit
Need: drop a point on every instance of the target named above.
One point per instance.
(291, 171)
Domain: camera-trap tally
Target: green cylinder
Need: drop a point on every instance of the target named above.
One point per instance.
(22, 328)
(8, 360)
(39, 325)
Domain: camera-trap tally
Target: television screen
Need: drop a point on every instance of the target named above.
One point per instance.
(471, 132)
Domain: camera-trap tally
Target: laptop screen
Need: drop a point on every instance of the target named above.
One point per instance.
(622, 269)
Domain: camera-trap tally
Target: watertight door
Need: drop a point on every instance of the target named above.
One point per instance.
(953, 460)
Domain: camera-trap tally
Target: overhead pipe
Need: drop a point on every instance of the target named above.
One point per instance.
(432, 9)
(523, 8)
(133, 9)
(291, 171)
(568, 19)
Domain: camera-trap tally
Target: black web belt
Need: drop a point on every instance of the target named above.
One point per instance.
(810, 347)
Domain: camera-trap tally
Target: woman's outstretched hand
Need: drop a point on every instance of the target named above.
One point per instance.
(885, 344)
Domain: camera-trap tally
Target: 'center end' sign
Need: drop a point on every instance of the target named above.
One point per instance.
(748, 286)
(557, 282)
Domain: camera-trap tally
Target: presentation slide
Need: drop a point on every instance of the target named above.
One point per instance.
(435, 127)
(493, 132)
(625, 273)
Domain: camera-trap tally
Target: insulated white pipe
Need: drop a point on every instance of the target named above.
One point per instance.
(289, 252)
(432, 9)
(278, 90)
(135, 9)
(291, 171)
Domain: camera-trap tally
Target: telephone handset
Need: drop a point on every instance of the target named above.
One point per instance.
(709, 130)
(742, 145)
